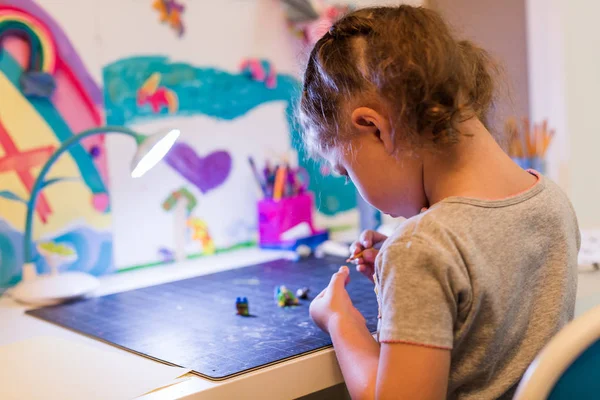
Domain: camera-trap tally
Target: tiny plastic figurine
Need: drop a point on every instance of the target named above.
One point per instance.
(241, 304)
(303, 251)
(302, 293)
(284, 297)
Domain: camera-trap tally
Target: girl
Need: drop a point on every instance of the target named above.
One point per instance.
(483, 273)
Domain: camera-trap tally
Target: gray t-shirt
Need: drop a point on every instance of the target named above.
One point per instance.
(491, 280)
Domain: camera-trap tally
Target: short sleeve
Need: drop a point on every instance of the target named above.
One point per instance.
(415, 293)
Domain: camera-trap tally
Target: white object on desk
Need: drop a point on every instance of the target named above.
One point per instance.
(52, 288)
(47, 367)
(589, 254)
(299, 231)
(332, 248)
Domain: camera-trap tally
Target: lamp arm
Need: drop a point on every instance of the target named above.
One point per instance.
(39, 181)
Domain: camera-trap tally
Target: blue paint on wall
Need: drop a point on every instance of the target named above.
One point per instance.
(221, 95)
(94, 250)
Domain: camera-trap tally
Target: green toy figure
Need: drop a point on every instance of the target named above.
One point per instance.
(284, 297)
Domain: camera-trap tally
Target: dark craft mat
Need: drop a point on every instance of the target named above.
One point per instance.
(192, 323)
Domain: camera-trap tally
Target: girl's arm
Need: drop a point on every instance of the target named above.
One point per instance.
(392, 371)
(408, 371)
(357, 354)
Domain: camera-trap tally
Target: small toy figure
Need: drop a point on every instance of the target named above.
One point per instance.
(284, 297)
(302, 293)
(303, 251)
(241, 304)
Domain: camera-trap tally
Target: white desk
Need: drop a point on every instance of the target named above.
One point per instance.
(290, 379)
(286, 380)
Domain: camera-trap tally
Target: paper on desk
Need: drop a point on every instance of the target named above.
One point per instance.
(54, 368)
(590, 247)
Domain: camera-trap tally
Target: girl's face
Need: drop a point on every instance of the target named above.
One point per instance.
(391, 181)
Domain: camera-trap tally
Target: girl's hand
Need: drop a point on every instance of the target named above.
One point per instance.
(366, 241)
(334, 302)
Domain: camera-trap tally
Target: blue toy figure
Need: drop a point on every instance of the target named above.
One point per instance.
(241, 304)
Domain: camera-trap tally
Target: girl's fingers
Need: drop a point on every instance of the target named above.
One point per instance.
(369, 237)
(340, 279)
(368, 256)
(321, 294)
(366, 238)
(356, 248)
(366, 270)
(357, 261)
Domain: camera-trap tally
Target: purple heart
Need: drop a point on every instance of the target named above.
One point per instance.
(206, 173)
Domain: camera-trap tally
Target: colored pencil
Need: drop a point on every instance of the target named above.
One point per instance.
(526, 141)
(278, 187)
(263, 186)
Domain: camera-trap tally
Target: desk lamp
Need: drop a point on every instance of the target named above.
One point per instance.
(58, 287)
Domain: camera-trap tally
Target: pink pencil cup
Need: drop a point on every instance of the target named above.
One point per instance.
(276, 217)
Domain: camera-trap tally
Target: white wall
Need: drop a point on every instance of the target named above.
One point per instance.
(485, 22)
(546, 45)
(582, 57)
(564, 76)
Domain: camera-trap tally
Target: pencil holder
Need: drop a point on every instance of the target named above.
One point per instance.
(286, 223)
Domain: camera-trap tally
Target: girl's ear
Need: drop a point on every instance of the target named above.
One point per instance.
(370, 122)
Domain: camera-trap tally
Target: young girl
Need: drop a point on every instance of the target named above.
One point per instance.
(483, 273)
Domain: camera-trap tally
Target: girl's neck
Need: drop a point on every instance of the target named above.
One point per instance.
(476, 167)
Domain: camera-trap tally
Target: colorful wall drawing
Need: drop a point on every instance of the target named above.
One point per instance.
(157, 96)
(170, 12)
(310, 19)
(206, 173)
(47, 96)
(217, 94)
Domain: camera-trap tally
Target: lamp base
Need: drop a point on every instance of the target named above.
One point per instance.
(54, 289)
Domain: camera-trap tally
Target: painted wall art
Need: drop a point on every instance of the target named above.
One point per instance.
(146, 90)
(217, 94)
(48, 96)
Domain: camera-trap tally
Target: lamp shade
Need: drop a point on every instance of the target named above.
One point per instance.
(152, 149)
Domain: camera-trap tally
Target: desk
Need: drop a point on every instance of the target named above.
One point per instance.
(290, 379)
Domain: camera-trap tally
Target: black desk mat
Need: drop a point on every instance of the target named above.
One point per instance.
(192, 323)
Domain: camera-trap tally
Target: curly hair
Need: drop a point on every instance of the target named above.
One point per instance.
(404, 58)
